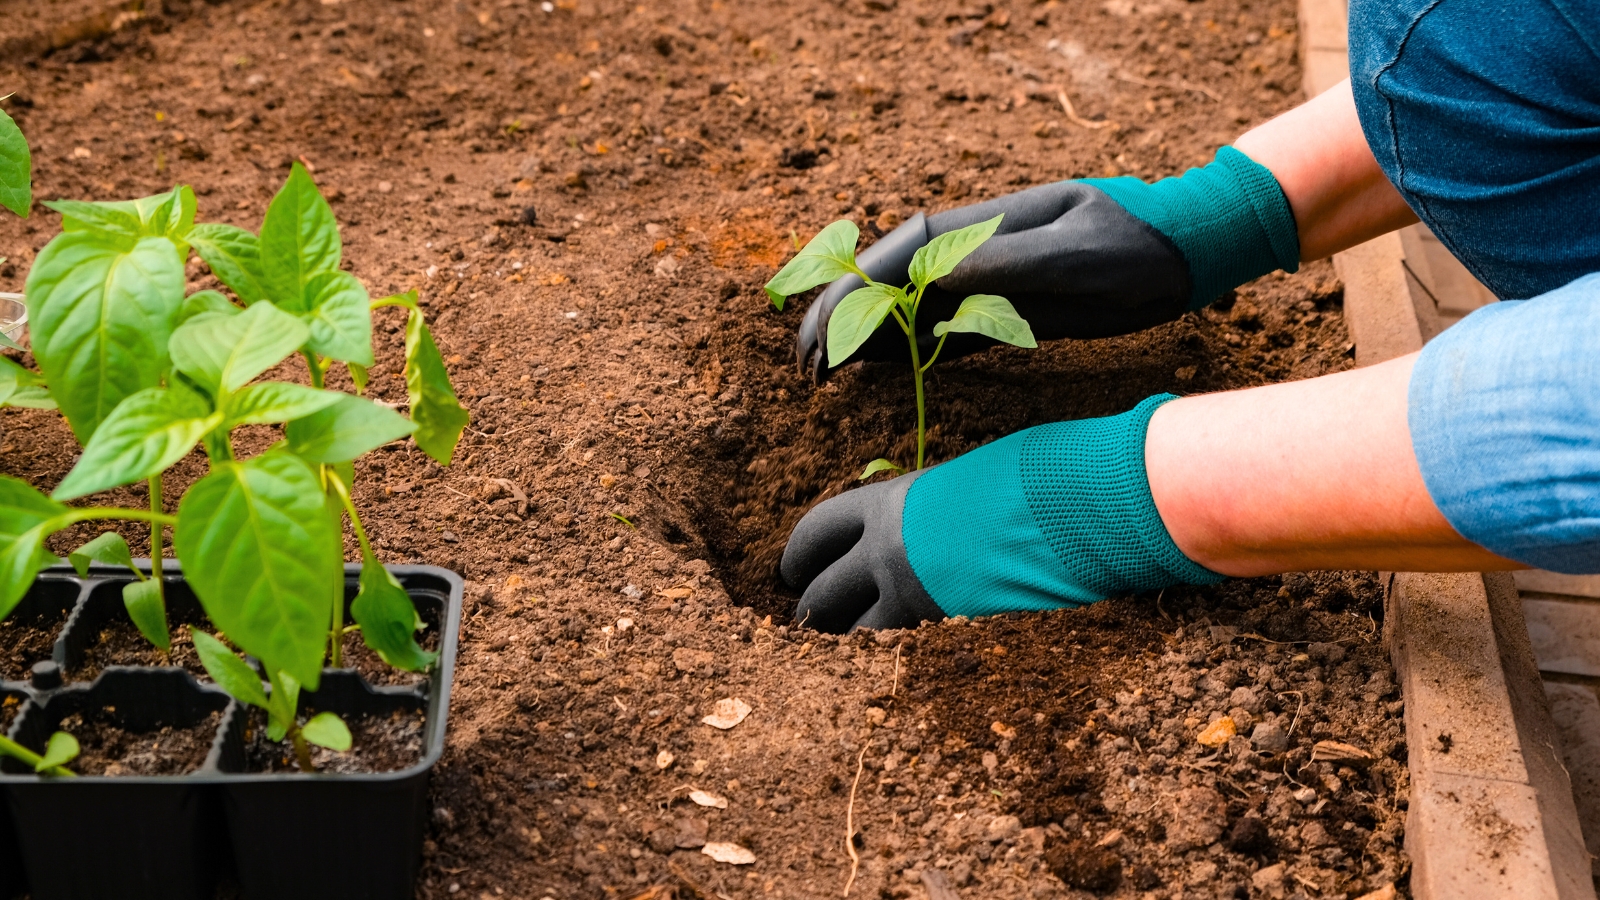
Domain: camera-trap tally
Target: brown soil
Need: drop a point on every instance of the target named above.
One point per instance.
(618, 358)
(24, 642)
(121, 644)
(379, 744)
(109, 749)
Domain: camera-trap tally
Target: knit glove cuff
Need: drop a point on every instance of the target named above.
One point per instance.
(1056, 515)
(1230, 220)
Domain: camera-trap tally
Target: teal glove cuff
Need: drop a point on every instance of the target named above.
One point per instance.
(1230, 220)
(1057, 515)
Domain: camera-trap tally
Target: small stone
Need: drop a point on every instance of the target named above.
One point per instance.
(1217, 733)
(1246, 699)
(991, 762)
(1306, 795)
(733, 854)
(608, 481)
(1002, 827)
(1196, 819)
(662, 838)
(1111, 839)
(1269, 737)
(730, 711)
(1269, 879)
(1203, 873)
(449, 537)
(385, 187)
(688, 659)
(876, 716)
(1314, 835)
(702, 798)
(665, 759)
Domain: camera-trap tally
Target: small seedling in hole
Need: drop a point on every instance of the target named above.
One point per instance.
(235, 676)
(832, 254)
(142, 597)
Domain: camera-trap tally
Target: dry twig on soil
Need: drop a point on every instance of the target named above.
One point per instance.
(850, 823)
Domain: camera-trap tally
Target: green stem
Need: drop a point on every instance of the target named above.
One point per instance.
(22, 754)
(315, 365)
(355, 520)
(158, 539)
(87, 513)
(916, 370)
(302, 752)
(336, 487)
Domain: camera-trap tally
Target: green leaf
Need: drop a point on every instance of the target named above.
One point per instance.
(439, 416)
(108, 548)
(940, 256)
(345, 430)
(223, 353)
(830, 254)
(234, 256)
(62, 749)
(146, 433)
(276, 401)
(879, 465)
(262, 554)
(990, 315)
(231, 673)
(115, 219)
(169, 215)
(148, 611)
(856, 317)
(358, 376)
(101, 318)
(327, 730)
(388, 619)
(282, 705)
(16, 164)
(20, 387)
(339, 316)
(25, 521)
(206, 303)
(299, 239)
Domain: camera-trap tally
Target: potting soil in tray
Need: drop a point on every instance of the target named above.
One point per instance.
(618, 357)
(112, 750)
(23, 643)
(379, 743)
(121, 644)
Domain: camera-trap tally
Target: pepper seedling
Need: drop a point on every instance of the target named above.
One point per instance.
(832, 254)
(143, 374)
(236, 677)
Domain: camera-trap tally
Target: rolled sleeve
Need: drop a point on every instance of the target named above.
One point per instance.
(1504, 411)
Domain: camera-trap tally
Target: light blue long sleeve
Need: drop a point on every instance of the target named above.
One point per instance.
(1504, 410)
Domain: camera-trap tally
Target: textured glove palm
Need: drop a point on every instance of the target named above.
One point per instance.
(1085, 259)
(1053, 516)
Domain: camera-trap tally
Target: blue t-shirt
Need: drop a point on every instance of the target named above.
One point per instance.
(1486, 116)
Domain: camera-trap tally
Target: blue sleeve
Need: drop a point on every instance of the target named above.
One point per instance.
(1504, 410)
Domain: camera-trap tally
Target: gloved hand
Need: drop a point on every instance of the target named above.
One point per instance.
(1083, 259)
(1052, 516)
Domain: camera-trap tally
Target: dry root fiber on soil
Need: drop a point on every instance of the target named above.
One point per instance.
(589, 195)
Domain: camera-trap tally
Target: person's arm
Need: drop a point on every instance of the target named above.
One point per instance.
(1319, 155)
(1314, 474)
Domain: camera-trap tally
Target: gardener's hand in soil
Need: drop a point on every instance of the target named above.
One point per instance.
(1314, 474)
(1109, 256)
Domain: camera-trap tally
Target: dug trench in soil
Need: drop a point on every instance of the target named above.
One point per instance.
(618, 358)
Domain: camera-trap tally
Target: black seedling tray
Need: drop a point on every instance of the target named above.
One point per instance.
(340, 837)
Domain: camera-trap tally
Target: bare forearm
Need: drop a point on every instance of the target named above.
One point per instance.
(1320, 157)
(1315, 474)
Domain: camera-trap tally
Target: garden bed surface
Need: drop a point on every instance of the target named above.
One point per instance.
(618, 358)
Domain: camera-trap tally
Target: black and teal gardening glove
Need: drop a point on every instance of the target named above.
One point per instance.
(1053, 516)
(1083, 259)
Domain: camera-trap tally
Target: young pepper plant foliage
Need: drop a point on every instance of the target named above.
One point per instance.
(20, 387)
(832, 254)
(143, 374)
